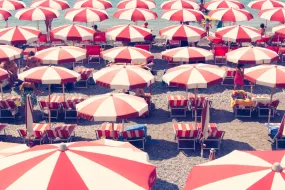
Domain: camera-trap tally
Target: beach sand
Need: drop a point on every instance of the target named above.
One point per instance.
(173, 166)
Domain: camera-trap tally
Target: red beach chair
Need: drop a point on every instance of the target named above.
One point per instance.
(106, 134)
(280, 136)
(185, 132)
(143, 46)
(54, 109)
(220, 52)
(135, 136)
(22, 134)
(100, 38)
(93, 51)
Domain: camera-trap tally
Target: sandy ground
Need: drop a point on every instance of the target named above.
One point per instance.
(172, 165)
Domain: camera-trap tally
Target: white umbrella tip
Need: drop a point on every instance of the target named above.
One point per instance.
(277, 167)
(62, 147)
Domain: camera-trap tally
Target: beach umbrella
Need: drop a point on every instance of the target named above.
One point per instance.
(73, 32)
(238, 33)
(79, 165)
(183, 15)
(16, 35)
(274, 14)
(183, 32)
(96, 4)
(29, 116)
(179, 4)
(279, 30)
(61, 54)
(194, 76)
(11, 5)
(54, 4)
(4, 14)
(128, 33)
(130, 4)
(223, 4)
(112, 107)
(8, 53)
(231, 15)
(253, 170)
(127, 55)
(252, 55)
(135, 14)
(265, 4)
(86, 15)
(3, 76)
(187, 54)
(205, 121)
(7, 148)
(123, 77)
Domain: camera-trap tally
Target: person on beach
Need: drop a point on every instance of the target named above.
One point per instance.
(145, 25)
(207, 26)
(239, 77)
(6, 20)
(262, 29)
(29, 88)
(96, 28)
(32, 61)
(12, 69)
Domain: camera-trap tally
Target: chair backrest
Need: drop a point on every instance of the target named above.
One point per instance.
(143, 46)
(199, 101)
(64, 134)
(273, 48)
(133, 134)
(45, 105)
(38, 134)
(107, 134)
(22, 132)
(7, 104)
(93, 49)
(50, 133)
(217, 134)
(99, 37)
(68, 105)
(221, 50)
(187, 133)
(43, 38)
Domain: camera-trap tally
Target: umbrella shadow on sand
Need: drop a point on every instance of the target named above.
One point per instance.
(162, 184)
(162, 149)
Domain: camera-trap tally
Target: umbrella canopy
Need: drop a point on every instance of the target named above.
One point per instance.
(231, 15)
(127, 55)
(274, 14)
(187, 54)
(96, 4)
(112, 107)
(240, 169)
(49, 75)
(130, 4)
(179, 4)
(279, 30)
(183, 32)
(3, 74)
(194, 76)
(252, 55)
(37, 13)
(16, 35)
(11, 5)
(81, 165)
(239, 33)
(7, 149)
(265, 4)
(8, 53)
(123, 77)
(54, 4)
(135, 14)
(4, 14)
(61, 54)
(223, 4)
(73, 32)
(86, 15)
(128, 33)
(266, 75)
(183, 15)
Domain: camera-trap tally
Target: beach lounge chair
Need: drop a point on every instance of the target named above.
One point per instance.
(185, 136)
(43, 39)
(93, 53)
(2, 129)
(8, 109)
(107, 134)
(173, 43)
(220, 53)
(198, 105)
(69, 108)
(38, 135)
(143, 46)
(177, 105)
(59, 135)
(263, 108)
(54, 109)
(133, 136)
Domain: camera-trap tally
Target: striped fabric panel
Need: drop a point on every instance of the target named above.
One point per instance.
(23, 132)
(108, 126)
(133, 134)
(50, 133)
(2, 126)
(187, 134)
(40, 126)
(217, 134)
(183, 126)
(38, 134)
(199, 101)
(108, 134)
(7, 104)
(53, 105)
(177, 100)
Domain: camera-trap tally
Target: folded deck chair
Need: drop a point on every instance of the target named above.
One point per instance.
(183, 136)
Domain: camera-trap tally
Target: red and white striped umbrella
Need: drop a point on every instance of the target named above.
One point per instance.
(112, 107)
(54, 4)
(128, 33)
(49, 75)
(223, 4)
(252, 55)
(239, 33)
(73, 32)
(279, 30)
(231, 15)
(135, 14)
(7, 149)
(96, 4)
(265, 4)
(61, 54)
(80, 165)
(131, 4)
(15, 35)
(179, 4)
(274, 14)
(254, 170)
(194, 76)
(183, 15)
(8, 53)
(183, 32)
(86, 15)
(123, 77)
(266, 75)
(37, 13)
(127, 55)
(11, 5)
(4, 14)
(187, 54)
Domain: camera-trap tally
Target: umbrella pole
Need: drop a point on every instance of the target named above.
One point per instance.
(49, 104)
(38, 26)
(195, 91)
(269, 112)
(63, 92)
